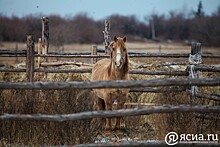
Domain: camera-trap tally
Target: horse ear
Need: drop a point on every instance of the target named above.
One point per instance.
(115, 39)
(124, 39)
(111, 45)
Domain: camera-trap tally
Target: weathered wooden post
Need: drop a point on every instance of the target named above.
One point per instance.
(94, 52)
(45, 36)
(107, 38)
(62, 49)
(39, 51)
(16, 50)
(30, 59)
(45, 33)
(194, 59)
(160, 49)
(195, 56)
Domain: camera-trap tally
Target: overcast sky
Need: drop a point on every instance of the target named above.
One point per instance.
(100, 9)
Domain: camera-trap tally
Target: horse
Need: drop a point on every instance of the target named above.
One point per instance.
(115, 68)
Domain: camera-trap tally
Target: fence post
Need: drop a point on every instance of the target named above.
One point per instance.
(107, 38)
(160, 48)
(16, 50)
(194, 59)
(195, 56)
(45, 33)
(30, 59)
(39, 51)
(94, 52)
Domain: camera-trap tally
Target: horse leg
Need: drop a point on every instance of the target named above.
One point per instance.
(100, 104)
(120, 105)
(108, 106)
(100, 107)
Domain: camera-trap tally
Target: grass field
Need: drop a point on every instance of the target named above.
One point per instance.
(147, 127)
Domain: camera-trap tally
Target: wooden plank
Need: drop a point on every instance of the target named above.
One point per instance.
(39, 51)
(130, 55)
(114, 113)
(210, 56)
(12, 70)
(73, 56)
(150, 143)
(138, 55)
(83, 70)
(140, 104)
(30, 59)
(215, 97)
(13, 52)
(206, 68)
(161, 64)
(161, 55)
(45, 33)
(88, 55)
(195, 48)
(60, 63)
(111, 84)
(78, 53)
(16, 50)
(89, 70)
(107, 38)
(158, 72)
(158, 90)
(94, 52)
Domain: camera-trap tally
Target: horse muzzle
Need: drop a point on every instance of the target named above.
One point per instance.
(118, 65)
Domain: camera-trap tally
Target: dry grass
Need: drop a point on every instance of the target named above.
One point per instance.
(47, 102)
(154, 126)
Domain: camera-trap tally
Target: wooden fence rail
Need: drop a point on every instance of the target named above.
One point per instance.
(87, 55)
(145, 72)
(206, 68)
(89, 70)
(215, 97)
(111, 84)
(114, 113)
(146, 143)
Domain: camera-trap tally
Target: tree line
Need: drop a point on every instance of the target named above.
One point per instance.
(83, 29)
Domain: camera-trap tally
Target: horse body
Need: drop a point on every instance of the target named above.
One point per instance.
(115, 68)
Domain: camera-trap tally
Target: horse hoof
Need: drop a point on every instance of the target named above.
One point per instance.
(108, 131)
(118, 131)
(121, 131)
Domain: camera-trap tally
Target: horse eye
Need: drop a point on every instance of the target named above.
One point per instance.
(113, 49)
(124, 49)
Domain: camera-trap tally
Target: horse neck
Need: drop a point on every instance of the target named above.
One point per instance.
(118, 74)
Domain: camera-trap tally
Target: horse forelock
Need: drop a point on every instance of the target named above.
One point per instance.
(120, 43)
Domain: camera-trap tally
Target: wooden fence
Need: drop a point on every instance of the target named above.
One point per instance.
(152, 85)
(30, 55)
(114, 113)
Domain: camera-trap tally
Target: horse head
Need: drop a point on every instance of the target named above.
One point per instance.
(119, 55)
